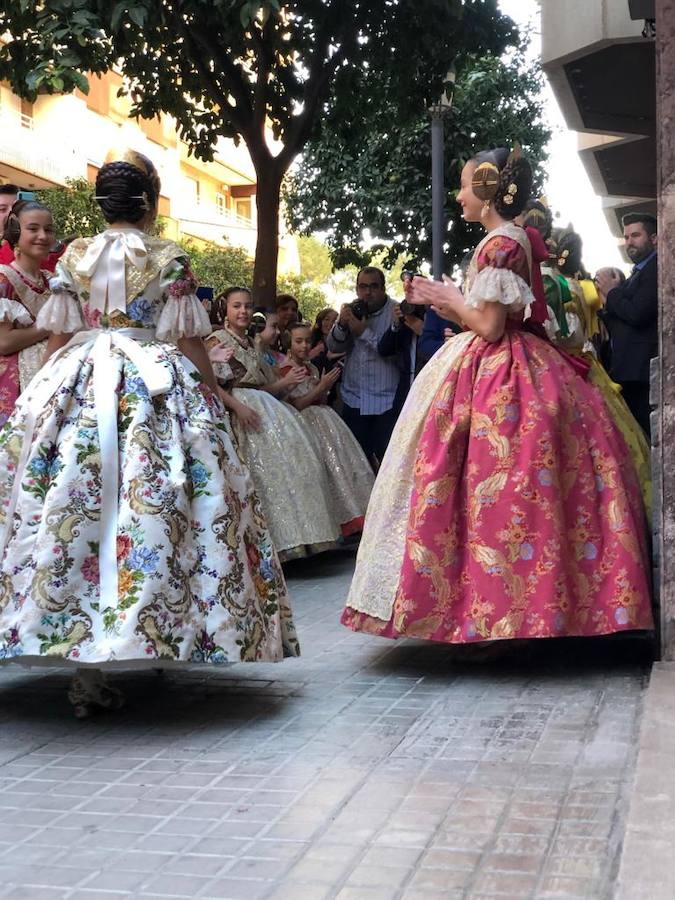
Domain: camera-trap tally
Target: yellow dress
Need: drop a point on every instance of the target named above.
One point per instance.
(584, 325)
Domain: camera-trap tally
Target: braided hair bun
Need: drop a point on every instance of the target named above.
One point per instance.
(127, 190)
(511, 187)
(537, 215)
(569, 248)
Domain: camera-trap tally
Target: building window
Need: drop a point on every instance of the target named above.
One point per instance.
(221, 204)
(242, 207)
(192, 189)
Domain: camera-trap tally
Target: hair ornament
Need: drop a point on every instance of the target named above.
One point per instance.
(485, 181)
(143, 196)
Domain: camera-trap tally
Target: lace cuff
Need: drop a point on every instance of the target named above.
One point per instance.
(499, 286)
(12, 311)
(61, 313)
(183, 317)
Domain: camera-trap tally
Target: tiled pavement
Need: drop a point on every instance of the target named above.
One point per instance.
(367, 770)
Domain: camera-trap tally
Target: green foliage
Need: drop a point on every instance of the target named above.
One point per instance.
(368, 168)
(229, 68)
(75, 211)
(220, 267)
(311, 298)
(225, 67)
(315, 262)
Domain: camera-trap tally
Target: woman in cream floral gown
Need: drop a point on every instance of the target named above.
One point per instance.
(131, 531)
(507, 505)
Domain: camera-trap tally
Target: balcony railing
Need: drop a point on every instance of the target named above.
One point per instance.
(205, 213)
(37, 151)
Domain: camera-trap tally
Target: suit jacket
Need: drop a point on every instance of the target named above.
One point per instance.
(631, 314)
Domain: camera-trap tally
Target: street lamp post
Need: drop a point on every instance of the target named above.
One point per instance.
(438, 111)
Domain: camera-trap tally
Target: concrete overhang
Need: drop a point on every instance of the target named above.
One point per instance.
(602, 72)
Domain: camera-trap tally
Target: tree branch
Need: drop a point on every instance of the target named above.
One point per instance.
(200, 43)
(264, 67)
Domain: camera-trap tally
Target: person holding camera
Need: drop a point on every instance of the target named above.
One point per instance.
(401, 343)
(369, 380)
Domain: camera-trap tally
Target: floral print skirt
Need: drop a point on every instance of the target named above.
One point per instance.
(198, 577)
(507, 506)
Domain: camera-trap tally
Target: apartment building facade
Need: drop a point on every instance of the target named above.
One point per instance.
(70, 136)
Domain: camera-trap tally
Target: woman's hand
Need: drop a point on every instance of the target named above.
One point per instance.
(248, 417)
(317, 351)
(221, 353)
(294, 377)
(444, 297)
(328, 379)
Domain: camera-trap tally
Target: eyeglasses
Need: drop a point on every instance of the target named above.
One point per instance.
(369, 285)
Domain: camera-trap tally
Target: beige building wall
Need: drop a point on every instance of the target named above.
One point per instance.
(71, 136)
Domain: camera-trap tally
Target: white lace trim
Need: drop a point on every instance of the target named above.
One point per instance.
(499, 286)
(183, 317)
(13, 311)
(61, 313)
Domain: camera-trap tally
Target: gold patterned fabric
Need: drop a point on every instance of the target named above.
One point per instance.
(350, 476)
(288, 473)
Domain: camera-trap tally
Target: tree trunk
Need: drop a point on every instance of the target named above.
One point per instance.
(267, 245)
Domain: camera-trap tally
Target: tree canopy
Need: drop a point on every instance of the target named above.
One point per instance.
(233, 68)
(368, 170)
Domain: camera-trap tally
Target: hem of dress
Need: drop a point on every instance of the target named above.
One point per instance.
(304, 550)
(380, 628)
(45, 662)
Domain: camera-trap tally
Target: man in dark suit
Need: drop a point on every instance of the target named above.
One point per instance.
(631, 315)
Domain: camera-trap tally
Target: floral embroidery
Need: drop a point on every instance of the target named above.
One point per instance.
(198, 576)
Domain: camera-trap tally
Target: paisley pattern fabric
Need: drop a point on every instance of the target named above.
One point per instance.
(198, 577)
(349, 473)
(299, 508)
(20, 301)
(507, 505)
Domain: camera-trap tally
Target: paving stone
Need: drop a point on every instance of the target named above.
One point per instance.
(365, 770)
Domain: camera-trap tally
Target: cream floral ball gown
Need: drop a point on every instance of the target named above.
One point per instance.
(131, 532)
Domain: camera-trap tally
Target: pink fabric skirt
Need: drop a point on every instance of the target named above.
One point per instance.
(509, 503)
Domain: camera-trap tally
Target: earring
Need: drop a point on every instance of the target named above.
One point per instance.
(485, 210)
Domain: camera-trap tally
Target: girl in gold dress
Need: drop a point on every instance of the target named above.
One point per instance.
(296, 498)
(349, 473)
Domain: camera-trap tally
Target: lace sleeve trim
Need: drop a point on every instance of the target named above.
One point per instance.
(499, 286)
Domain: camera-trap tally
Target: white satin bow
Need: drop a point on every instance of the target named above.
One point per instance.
(104, 264)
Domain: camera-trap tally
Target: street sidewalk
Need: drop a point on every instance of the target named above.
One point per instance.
(366, 770)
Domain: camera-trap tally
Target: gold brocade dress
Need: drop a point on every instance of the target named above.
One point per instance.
(584, 325)
(290, 478)
(350, 476)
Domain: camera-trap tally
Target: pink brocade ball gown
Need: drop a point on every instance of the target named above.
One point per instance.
(507, 505)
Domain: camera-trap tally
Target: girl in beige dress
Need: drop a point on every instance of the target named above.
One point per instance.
(350, 475)
(289, 475)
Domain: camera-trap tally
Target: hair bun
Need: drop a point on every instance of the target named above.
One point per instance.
(515, 186)
(125, 192)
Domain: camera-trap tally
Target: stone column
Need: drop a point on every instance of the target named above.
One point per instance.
(665, 438)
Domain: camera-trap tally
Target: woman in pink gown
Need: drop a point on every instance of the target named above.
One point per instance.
(507, 505)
